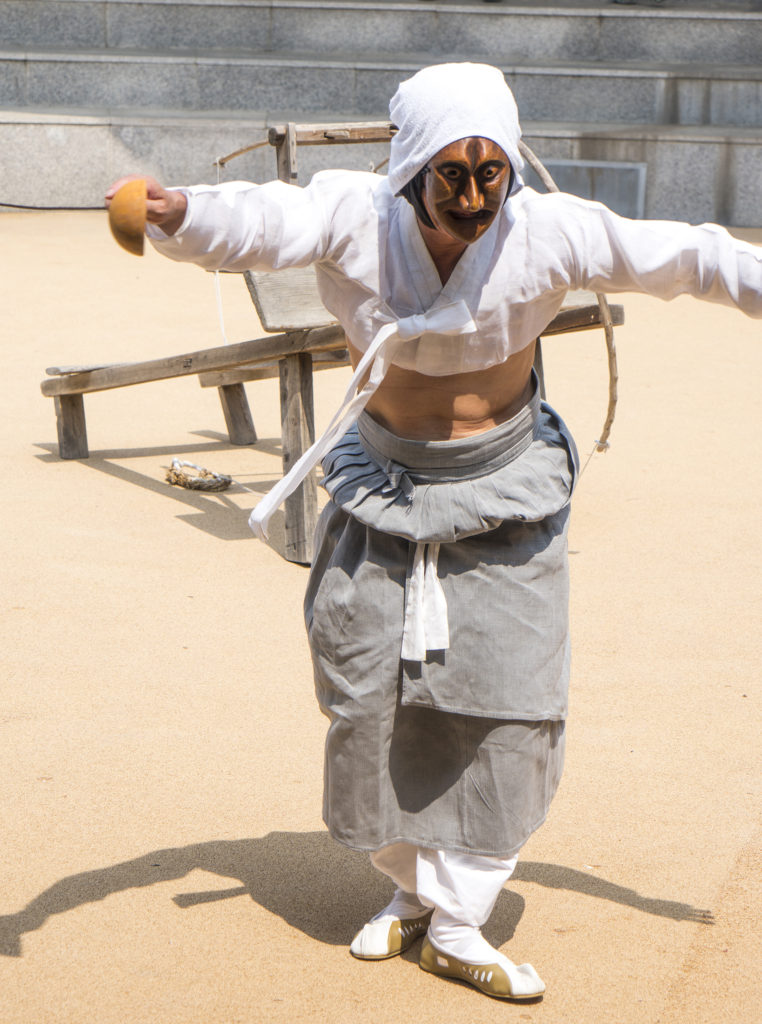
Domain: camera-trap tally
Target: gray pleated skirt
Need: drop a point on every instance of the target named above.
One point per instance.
(462, 750)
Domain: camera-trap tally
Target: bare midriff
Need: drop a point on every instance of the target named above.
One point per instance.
(466, 186)
(425, 408)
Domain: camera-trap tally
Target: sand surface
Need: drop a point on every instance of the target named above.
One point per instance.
(163, 855)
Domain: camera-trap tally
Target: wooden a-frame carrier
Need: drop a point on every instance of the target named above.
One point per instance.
(301, 336)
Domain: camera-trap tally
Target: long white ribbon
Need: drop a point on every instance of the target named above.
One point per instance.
(425, 626)
(455, 318)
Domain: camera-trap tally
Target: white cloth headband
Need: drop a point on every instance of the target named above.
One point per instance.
(447, 102)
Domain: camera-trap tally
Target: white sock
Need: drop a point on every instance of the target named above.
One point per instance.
(463, 941)
(404, 905)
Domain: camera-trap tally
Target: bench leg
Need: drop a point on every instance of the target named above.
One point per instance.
(298, 433)
(238, 419)
(72, 429)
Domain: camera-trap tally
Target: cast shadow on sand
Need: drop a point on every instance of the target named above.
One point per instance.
(214, 513)
(313, 883)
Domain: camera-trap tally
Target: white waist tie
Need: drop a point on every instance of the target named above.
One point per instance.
(454, 318)
(425, 627)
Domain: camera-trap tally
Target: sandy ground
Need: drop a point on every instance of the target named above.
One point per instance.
(163, 855)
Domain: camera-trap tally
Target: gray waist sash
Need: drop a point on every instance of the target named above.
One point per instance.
(442, 491)
(437, 492)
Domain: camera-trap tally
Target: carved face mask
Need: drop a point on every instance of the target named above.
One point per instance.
(466, 184)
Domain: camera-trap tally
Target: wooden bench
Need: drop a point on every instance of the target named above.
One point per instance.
(306, 338)
(303, 339)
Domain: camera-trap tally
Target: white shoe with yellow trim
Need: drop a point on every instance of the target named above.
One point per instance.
(388, 936)
(501, 979)
(393, 929)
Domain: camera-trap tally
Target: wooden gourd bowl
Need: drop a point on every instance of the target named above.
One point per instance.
(127, 216)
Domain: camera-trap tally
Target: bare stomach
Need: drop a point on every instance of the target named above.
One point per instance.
(423, 408)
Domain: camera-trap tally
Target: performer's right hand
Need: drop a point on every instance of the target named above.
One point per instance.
(163, 207)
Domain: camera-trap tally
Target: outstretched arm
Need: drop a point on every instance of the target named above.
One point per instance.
(666, 259)
(236, 225)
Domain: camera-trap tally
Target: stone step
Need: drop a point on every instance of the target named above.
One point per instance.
(690, 173)
(637, 93)
(598, 30)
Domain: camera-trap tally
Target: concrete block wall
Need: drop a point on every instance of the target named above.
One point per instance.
(91, 88)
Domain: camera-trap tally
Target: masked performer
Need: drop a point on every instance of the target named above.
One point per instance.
(437, 602)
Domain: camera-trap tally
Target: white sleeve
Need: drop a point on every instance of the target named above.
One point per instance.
(666, 259)
(240, 226)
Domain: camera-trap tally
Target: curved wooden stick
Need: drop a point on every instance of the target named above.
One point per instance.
(608, 328)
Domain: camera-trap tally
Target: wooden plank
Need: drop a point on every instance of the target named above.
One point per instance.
(287, 300)
(71, 426)
(259, 350)
(235, 408)
(334, 133)
(224, 377)
(581, 318)
(320, 361)
(286, 155)
(223, 357)
(298, 433)
(60, 371)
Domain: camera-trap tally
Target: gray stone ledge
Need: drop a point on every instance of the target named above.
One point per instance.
(686, 95)
(441, 30)
(52, 160)
(406, 62)
(571, 8)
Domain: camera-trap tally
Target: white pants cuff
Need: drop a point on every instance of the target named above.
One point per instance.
(462, 889)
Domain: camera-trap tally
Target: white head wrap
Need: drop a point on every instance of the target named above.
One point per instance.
(447, 102)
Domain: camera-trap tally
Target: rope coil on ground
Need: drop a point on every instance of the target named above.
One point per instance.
(196, 478)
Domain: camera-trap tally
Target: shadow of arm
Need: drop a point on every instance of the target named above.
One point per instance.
(555, 876)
